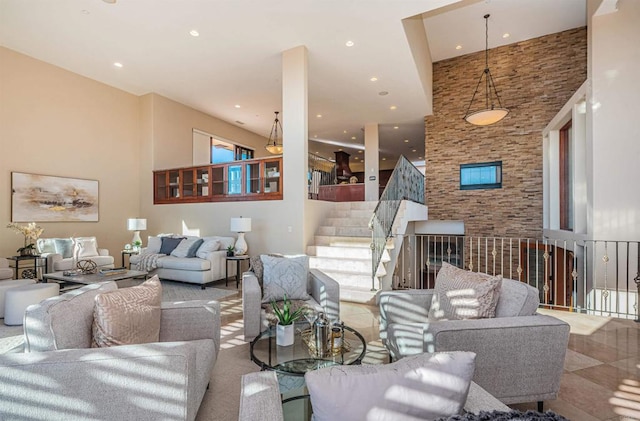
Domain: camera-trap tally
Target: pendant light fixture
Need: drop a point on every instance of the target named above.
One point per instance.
(274, 145)
(493, 110)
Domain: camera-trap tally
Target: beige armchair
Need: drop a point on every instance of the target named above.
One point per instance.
(61, 377)
(520, 354)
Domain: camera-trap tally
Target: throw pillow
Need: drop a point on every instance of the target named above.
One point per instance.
(85, 247)
(461, 294)
(255, 266)
(128, 315)
(423, 386)
(187, 247)
(153, 245)
(207, 246)
(46, 245)
(169, 244)
(282, 276)
(64, 247)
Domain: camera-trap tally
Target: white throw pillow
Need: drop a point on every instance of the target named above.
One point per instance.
(461, 294)
(423, 386)
(153, 245)
(208, 246)
(85, 247)
(187, 247)
(285, 275)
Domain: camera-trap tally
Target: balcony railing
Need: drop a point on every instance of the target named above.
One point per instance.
(586, 276)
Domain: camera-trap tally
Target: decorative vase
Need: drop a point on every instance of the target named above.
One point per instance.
(284, 335)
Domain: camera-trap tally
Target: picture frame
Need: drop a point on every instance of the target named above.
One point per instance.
(46, 198)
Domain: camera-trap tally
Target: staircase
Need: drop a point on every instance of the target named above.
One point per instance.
(342, 250)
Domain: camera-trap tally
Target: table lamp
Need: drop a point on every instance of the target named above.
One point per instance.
(241, 225)
(136, 225)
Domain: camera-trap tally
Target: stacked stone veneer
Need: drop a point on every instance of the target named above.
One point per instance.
(535, 78)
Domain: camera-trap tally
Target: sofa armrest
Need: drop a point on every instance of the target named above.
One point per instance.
(326, 291)
(260, 397)
(534, 347)
(117, 383)
(479, 399)
(51, 259)
(190, 320)
(103, 252)
(403, 306)
(251, 305)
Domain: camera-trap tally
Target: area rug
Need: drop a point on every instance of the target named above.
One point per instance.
(507, 416)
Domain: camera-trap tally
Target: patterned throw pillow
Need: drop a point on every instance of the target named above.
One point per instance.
(461, 294)
(285, 276)
(128, 315)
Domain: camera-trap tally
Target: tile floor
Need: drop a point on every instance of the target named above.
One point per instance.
(601, 379)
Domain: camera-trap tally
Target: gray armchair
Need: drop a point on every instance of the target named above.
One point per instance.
(61, 377)
(520, 354)
(324, 292)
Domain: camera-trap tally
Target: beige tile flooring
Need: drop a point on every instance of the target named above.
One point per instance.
(601, 379)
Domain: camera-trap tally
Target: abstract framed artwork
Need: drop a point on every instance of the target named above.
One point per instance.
(45, 198)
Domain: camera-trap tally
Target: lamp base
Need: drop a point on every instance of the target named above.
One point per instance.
(241, 245)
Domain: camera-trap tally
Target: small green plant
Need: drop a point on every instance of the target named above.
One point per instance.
(230, 250)
(285, 316)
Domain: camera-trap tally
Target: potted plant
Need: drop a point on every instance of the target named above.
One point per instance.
(286, 317)
(31, 233)
(230, 251)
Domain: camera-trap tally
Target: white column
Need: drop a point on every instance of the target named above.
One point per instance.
(294, 140)
(371, 162)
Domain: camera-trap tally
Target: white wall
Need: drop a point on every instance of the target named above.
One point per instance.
(615, 125)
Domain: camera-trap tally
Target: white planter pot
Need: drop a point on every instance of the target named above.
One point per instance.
(284, 335)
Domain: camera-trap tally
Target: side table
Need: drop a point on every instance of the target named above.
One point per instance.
(128, 253)
(34, 259)
(238, 260)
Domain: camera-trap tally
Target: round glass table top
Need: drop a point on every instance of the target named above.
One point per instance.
(299, 358)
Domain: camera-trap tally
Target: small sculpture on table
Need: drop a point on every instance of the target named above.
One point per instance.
(87, 267)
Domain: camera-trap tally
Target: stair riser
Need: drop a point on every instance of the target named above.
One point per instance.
(347, 265)
(344, 231)
(336, 213)
(343, 252)
(346, 222)
(351, 280)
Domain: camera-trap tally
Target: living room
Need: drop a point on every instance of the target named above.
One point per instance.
(58, 122)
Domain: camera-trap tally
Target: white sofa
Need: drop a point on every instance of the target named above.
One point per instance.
(194, 270)
(63, 253)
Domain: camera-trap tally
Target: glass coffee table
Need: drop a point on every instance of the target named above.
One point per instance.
(292, 362)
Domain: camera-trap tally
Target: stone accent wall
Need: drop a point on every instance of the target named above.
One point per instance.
(535, 78)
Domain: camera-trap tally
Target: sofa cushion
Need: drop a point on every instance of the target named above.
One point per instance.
(153, 245)
(184, 263)
(128, 315)
(187, 247)
(517, 299)
(63, 322)
(207, 246)
(169, 244)
(288, 275)
(424, 386)
(462, 294)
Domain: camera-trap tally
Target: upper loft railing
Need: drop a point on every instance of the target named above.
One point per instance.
(406, 183)
(595, 277)
(322, 172)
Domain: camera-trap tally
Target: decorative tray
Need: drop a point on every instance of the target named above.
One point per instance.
(308, 337)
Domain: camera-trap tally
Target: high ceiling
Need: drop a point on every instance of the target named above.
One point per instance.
(235, 60)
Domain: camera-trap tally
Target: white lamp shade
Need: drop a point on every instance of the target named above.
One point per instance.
(136, 224)
(240, 224)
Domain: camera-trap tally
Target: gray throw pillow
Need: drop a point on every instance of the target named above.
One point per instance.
(64, 246)
(423, 386)
(169, 244)
(187, 247)
(282, 276)
(207, 246)
(153, 245)
(461, 294)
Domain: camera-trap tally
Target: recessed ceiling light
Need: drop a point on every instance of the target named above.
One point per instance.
(356, 158)
(373, 79)
(419, 157)
(506, 35)
(353, 137)
(393, 107)
(340, 150)
(117, 64)
(384, 159)
(406, 141)
(458, 47)
(319, 115)
(413, 150)
(360, 151)
(395, 127)
(315, 135)
(194, 33)
(237, 105)
(349, 43)
(383, 93)
(344, 131)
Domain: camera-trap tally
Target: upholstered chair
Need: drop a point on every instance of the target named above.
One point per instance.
(520, 353)
(321, 291)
